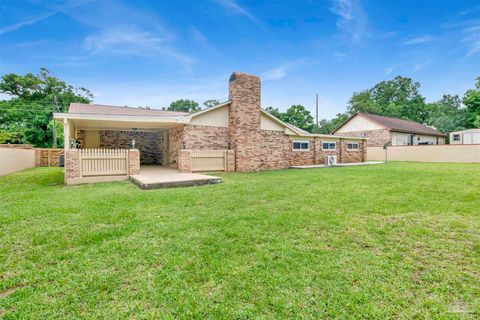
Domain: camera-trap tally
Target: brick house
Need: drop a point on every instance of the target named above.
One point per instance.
(251, 138)
(381, 130)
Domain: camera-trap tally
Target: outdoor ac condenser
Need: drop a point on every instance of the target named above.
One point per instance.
(330, 160)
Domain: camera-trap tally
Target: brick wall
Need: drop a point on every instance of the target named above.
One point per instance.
(205, 137)
(148, 143)
(175, 144)
(276, 150)
(244, 120)
(376, 138)
(72, 164)
(134, 158)
(348, 156)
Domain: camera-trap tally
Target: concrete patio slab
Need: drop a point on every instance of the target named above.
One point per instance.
(155, 177)
(337, 165)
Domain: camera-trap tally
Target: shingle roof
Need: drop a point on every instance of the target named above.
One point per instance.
(396, 124)
(115, 110)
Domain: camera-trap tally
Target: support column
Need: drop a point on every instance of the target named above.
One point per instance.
(133, 162)
(185, 161)
(72, 165)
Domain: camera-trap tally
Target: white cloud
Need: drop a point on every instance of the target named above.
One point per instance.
(274, 74)
(339, 55)
(20, 25)
(130, 40)
(419, 40)
(351, 18)
(475, 48)
(234, 7)
(281, 71)
(388, 71)
(421, 65)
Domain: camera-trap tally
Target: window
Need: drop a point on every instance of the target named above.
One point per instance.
(456, 137)
(326, 145)
(353, 146)
(301, 145)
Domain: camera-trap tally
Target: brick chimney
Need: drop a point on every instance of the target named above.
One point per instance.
(244, 129)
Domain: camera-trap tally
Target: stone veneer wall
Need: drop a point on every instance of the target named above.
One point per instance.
(148, 143)
(376, 138)
(244, 121)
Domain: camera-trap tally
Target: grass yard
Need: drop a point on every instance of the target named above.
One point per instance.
(399, 241)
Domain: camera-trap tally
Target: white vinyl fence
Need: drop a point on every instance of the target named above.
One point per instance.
(209, 160)
(103, 162)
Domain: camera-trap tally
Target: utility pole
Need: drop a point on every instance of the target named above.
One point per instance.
(316, 114)
(54, 109)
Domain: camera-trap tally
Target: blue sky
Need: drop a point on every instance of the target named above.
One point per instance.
(152, 52)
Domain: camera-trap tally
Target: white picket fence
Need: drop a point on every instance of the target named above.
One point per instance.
(209, 160)
(103, 162)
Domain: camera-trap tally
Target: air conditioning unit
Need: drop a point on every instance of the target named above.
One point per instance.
(330, 160)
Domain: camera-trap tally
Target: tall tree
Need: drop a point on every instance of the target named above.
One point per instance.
(447, 114)
(275, 112)
(211, 103)
(327, 126)
(28, 116)
(471, 100)
(183, 105)
(399, 98)
(300, 117)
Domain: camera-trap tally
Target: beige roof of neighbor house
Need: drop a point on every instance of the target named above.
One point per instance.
(396, 124)
(83, 108)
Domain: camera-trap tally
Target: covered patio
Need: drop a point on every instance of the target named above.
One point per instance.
(109, 145)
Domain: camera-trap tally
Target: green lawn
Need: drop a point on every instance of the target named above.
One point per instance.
(398, 241)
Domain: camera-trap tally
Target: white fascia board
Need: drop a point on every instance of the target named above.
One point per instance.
(327, 136)
(119, 118)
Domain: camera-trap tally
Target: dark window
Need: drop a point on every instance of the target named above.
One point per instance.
(456, 137)
(301, 145)
(329, 146)
(352, 146)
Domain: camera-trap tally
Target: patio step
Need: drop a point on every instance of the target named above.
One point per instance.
(174, 184)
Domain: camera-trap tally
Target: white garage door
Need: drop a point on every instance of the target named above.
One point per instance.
(471, 138)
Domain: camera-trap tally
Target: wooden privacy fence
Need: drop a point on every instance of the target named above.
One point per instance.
(103, 162)
(209, 160)
(47, 157)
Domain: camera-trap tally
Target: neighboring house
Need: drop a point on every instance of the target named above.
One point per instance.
(470, 136)
(254, 139)
(381, 130)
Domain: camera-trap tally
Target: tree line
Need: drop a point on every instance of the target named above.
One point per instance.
(28, 116)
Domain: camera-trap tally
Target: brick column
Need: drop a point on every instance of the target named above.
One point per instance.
(244, 130)
(72, 165)
(230, 165)
(185, 161)
(133, 162)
